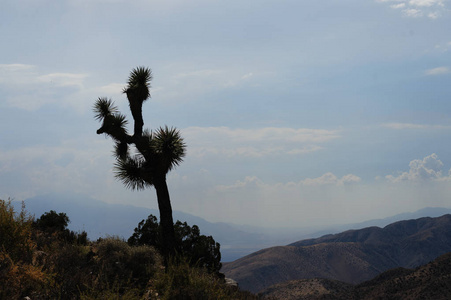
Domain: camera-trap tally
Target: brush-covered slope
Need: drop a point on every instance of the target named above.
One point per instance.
(430, 281)
(353, 256)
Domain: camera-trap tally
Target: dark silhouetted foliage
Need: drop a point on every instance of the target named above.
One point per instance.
(53, 223)
(200, 250)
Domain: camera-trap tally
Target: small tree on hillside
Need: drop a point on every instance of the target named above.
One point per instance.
(156, 152)
(202, 251)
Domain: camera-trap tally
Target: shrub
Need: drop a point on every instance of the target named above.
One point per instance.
(182, 281)
(18, 276)
(200, 250)
(15, 238)
(53, 225)
(120, 263)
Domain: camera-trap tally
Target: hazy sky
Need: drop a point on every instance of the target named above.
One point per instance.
(294, 112)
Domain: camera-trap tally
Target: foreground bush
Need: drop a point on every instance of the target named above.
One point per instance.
(182, 281)
(18, 275)
(43, 260)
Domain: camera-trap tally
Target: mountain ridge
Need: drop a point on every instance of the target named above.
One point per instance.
(429, 281)
(352, 256)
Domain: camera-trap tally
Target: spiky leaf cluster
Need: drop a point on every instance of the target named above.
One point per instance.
(138, 84)
(131, 172)
(169, 146)
(104, 107)
(113, 123)
(163, 151)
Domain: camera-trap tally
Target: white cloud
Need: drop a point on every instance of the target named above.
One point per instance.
(401, 126)
(15, 67)
(228, 142)
(285, 203)
(199, 73)
(246, 76)
(426, 3)
(327, 179)
(188, 82)
(400, 5)
(426, 169)
(412, 12)
(17, 74)
(26, 88)
(330, 179)
(438, 71)
(112, 89)
(418, 8)
(63, 79)
(434, 15)
(74, 165)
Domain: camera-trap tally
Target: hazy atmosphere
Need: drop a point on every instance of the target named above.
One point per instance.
(294, 113)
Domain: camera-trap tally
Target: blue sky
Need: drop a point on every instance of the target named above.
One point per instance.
(294, 112)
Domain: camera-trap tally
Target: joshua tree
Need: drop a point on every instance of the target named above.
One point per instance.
(156, 152)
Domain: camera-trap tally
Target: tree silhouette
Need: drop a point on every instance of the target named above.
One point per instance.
(156, 152)
(200, 250)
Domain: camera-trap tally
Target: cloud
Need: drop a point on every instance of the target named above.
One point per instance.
(26, 88)
(74, 164)
(429, 168)
(228, 142)
(437, 71)
(188, 82)
(330, 179)
(15, 67)
(443, 47)
(112, 89)
(418, 8)
(402, 126)
(434, 15)
(17, 74)
(246, 76)
(412, 12)
(400, 5)
(308, 201)
(327, 179)
(426, 3)
(63, 79)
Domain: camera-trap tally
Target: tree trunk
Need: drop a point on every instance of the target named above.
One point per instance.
(166, 221)
(136, 109)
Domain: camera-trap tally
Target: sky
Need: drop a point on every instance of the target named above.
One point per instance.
(295, 113)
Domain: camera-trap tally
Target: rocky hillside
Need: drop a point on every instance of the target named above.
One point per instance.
(431, 281)
(353, 256)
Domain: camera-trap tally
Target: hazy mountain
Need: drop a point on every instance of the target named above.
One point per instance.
(430, 281)
(352, 256)
(100, 219)
(425, 212)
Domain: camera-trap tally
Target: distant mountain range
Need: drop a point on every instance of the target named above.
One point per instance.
(352, 256)
(430, 281)
(101, 219)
